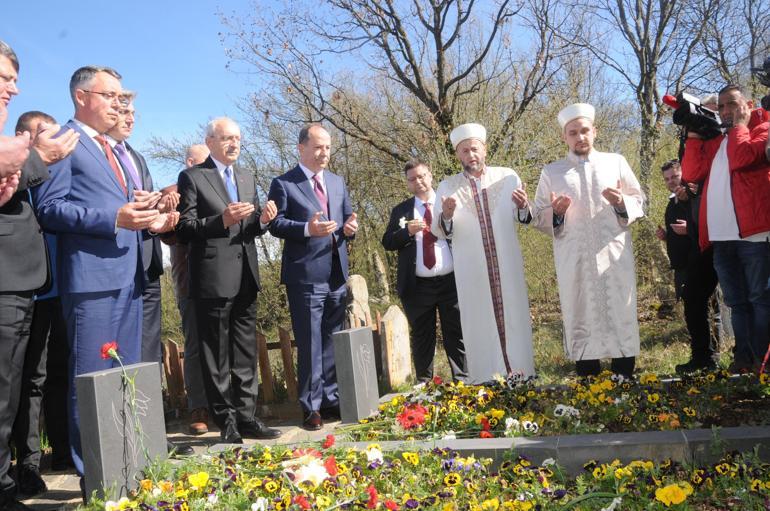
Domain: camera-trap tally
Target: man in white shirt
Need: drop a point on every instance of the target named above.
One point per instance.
(426, 281)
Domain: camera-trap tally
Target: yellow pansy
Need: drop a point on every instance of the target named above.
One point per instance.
(199, 480)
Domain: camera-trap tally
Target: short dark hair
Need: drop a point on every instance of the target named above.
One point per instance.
(25, 119)
(671, 164)
(85, 74)
(734, 86)
(304, 133)
(413, 163)
(7, 51)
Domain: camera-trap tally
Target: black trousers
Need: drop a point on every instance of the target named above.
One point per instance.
(44, 382)
(699, 282)
(151, 322)
(228, 353)
(431, 295)
(15, 320)
(621, 365)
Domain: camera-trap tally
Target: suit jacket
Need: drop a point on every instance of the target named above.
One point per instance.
(308, 260)
(216, 253)
(22, 249)
(152, 253)
(682, 249)
(398, 238)
(80, 204)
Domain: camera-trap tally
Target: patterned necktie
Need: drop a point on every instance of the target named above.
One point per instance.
(128, 164)
(111, 160)
(231, 190)
(428, 240)
(319, 193)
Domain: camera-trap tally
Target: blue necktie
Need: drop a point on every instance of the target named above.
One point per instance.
(230, 184)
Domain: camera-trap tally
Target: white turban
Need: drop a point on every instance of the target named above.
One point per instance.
(466, 131)
(576, 111)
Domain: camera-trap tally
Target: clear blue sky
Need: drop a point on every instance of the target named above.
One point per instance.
(167, 50)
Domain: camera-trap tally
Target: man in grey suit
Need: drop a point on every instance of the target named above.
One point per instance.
(220, 216)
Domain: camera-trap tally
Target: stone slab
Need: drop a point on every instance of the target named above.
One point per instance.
(117, 443)
(705, 444)
(356, 373)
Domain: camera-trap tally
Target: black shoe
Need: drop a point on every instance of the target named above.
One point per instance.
(29, 482)
(59, 465)
(255, 428)
(11, 504)
(695, 365)
(179, 449)
(313, 421)
(331, 413)
(230, 434)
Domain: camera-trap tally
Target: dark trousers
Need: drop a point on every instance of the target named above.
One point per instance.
(15, 320)
(151, 322)
(317, 311)
(193, 380)
(44, 381)
(700, 281)
(228, 353)
(620, 365)
(431, 295)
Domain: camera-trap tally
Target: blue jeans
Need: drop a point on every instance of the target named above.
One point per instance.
(743, 268)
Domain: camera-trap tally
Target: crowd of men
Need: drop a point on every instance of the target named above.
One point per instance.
(81, 227)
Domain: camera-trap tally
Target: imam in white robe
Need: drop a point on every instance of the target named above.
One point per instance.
(593, 253)
(481, 274)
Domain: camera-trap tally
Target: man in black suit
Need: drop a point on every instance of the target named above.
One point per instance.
(22, 251)
(220, 216)
(694, 277)
(426, 281)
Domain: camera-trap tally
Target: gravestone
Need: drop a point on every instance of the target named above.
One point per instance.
(396, 350)
(358, 311)
(356, 373)
(118, 439)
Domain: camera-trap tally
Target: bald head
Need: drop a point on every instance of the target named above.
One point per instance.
(196, 154)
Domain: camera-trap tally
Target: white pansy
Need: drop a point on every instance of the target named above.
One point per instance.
(564, 410)
(449, 435)
(373, 454)
(260, 504)
(548, 462)
(613, 505)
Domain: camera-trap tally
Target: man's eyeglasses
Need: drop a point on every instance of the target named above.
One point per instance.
(109, 96)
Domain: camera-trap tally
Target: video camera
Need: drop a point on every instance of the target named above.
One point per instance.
(763, 75)
(693, 116)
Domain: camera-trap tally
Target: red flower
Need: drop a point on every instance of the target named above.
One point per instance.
(302, 501)
(485, 424)
(437, 380)
(331, 465)
(328, 442)
(486, 434)
(372, 497)
(110, 350)
(413, 416)
(391, 504)
(303, 451)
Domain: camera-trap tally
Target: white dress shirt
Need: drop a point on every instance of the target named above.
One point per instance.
(444, 264)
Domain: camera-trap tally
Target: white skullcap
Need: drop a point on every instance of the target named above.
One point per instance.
(575, 111)
(466, 131)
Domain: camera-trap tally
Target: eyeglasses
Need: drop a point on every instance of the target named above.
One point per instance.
(109, 96)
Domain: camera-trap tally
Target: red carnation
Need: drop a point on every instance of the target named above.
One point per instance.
(328, 442)
(485, 424)
(110, 350)
(372, 497)
(486, 434)
(437, 380)
(330, 464)
(391, 504)
(302, 501)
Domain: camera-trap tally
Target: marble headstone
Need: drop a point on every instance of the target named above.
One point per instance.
(356, 373)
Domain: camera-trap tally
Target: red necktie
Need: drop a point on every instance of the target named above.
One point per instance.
(319, 193)
(111, 159)
(428, 240)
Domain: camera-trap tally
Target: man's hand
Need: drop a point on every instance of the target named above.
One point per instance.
(318, 228)
(168, 202)
(236, 211)
(53, 149)
(560, 203)
(681, 193)
(164, 222)
(8, 187)
(135, 216)
(660, 233)
(148, 199)
(415, 226)
(614, 196)
(742, 115)
(448, 206)
(694, 187)
(680, 227)
(268, 213)
(351, 225)
(14, 151)
(519, 196)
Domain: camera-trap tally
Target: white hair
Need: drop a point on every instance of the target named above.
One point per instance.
(213, 123)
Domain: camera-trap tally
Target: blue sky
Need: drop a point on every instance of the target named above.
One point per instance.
(167, 50)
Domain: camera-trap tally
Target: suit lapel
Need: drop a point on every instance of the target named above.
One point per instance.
(411, 204)
(244, 192)
(144, 172)
(307, 189)
(211, 173)
(91, 146)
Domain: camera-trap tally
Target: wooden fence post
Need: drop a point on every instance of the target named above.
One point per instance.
(265, 371)
(288, 364)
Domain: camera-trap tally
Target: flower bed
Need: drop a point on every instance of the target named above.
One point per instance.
(605, 404)
(328, 478)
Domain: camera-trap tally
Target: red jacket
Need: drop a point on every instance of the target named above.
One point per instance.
(749, 177)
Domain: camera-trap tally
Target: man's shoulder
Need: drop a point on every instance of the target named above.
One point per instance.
(290, 175)
(406, 204)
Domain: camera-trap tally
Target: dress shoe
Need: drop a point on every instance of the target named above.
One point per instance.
(199, 419)
(29, 482)
(313, 421)
(62, 463)
(179, 449)
(230, 434)
(331, 413)
(11, 504)
(694, 365)
(255, 428)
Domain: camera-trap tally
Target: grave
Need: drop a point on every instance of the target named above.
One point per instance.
(356, 373)
(396, 350)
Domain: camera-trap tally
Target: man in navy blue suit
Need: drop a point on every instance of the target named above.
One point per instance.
(315, 220)
(90, 203)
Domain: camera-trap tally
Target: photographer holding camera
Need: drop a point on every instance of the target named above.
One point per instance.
(734, 217)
